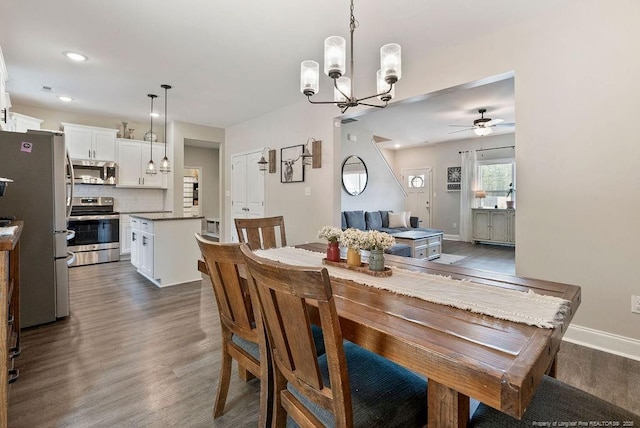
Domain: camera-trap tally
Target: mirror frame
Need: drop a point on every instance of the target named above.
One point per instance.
(366, 171)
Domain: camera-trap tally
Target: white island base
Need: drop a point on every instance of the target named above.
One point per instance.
(164, 249)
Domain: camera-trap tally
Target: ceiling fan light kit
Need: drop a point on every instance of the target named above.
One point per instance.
(482, 126)
(335, 67)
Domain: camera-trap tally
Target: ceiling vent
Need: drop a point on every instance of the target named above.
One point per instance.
(47, 89)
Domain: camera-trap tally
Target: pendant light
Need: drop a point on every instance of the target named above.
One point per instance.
(151, 167)
(165, 166)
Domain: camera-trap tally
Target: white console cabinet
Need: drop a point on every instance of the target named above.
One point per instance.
(133, 156)
(90, 142)
(496, 226)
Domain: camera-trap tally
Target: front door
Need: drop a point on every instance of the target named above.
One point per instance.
(417, 184)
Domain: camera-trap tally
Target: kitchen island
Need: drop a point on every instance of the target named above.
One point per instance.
(163, 247)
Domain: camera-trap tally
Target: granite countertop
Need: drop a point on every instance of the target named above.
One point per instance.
(165, 216)
(143, 212)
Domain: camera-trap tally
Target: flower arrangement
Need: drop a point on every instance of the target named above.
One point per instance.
(376, 240)
(351, 238)
(330, 233)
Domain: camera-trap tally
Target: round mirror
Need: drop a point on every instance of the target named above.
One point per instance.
(354, 175)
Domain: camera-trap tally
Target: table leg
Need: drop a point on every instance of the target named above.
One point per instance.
(553, 369)
(447, 407)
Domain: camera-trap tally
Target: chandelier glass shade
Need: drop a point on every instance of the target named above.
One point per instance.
(151, 166)
(165, 165)
(335, 55)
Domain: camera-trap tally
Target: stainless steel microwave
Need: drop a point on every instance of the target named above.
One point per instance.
(92, 172)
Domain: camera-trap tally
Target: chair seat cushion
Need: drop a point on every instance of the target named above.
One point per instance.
(253, 349)
(555, 401)
(383, 393)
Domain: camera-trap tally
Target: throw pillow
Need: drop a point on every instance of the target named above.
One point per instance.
(408, 218)
(397, 219)
(355, 219)
(385, 218)
(374, 220)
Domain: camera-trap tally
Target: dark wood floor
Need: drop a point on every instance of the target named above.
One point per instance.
(134, 355)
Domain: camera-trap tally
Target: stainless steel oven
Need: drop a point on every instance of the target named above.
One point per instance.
(97, 231)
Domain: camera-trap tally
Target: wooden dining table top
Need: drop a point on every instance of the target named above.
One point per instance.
(463, 354)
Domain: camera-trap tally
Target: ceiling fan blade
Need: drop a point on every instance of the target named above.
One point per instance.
(493, 122)
(506, 124)
(462, 130)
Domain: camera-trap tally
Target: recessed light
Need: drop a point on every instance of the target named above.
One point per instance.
(65, 99)
(75, 56)
(154, 114)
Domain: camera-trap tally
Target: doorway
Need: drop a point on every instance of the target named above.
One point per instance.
(417, 184)
(192, 190)
(247, 189)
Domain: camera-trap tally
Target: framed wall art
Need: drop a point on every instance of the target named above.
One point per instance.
(292, 170)
(454, 178)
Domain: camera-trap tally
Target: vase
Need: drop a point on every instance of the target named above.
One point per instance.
(376, 260)
(333, 251)
(353, 257)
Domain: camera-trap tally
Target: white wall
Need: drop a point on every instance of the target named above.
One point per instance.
(576, 86)
(383, 192)
(303, 215)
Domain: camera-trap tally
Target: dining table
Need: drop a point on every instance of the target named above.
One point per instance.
(463, 354)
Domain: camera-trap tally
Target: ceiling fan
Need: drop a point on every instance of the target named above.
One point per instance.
(483, 125)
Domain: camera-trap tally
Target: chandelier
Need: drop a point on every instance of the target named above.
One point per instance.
(335, 67)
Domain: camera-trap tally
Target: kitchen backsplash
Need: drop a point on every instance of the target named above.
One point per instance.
(126, 200)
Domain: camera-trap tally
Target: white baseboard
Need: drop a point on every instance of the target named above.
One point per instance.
(607, 342)
(451, 237)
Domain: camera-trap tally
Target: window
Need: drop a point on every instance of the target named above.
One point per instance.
(415, 181)
(494, 177)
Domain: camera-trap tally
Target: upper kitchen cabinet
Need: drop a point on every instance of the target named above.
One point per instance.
(90, 142)
(4, 97)
(22, 123)
(133, 156)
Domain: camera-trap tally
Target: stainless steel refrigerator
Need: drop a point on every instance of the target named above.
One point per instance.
(36, 163)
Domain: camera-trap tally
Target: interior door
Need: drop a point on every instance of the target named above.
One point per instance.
(417, 184)
(247, 189)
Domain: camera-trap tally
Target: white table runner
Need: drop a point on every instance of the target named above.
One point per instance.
(512, 305)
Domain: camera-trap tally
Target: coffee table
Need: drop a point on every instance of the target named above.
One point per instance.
(425, 244)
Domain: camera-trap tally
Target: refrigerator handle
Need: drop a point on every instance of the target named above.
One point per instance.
(73, 179)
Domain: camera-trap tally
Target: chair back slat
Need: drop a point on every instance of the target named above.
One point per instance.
(260, 233)
(229, 287)
(285, 293)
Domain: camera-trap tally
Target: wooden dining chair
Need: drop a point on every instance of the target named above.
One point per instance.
(243, 337)
(260, 233)
(346, 387)
(555, 401)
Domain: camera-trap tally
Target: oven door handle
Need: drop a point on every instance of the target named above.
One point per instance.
(71, 260)
(71, 234)
(94, 217)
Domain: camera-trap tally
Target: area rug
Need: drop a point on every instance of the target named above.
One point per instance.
(448, 259)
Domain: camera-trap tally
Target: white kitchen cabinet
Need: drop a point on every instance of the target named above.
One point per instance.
(4, 97)
(495, 226)
(133, 156)
(164, 249)
(90, 142)
(22, 123)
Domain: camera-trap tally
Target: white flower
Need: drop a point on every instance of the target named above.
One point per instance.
(352, 238)
(376, 240)
(330, 233)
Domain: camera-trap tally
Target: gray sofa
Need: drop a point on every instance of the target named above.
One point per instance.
(379, 220)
